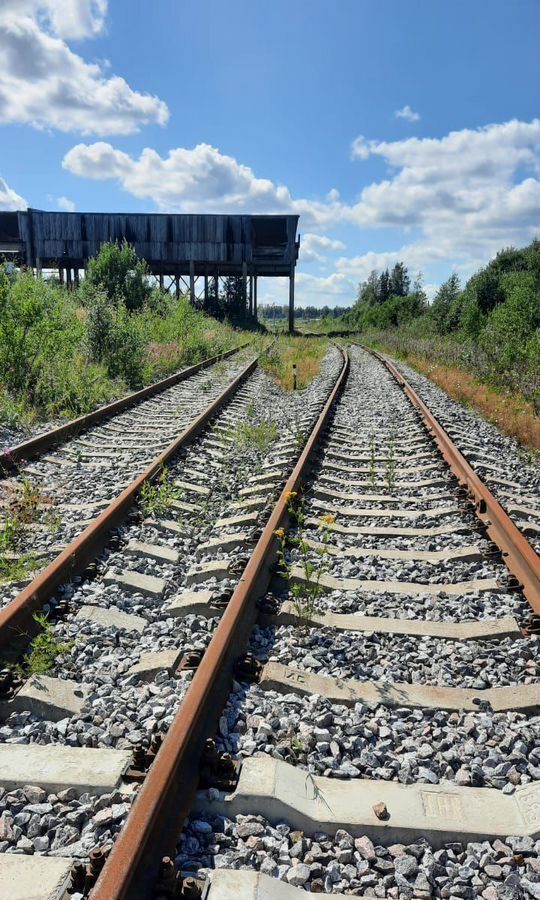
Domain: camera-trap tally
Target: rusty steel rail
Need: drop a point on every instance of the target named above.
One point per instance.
(154, 823)
(16, 619)
(519, 557)
(36, 445)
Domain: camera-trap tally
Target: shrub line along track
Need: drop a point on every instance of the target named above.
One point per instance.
(165, 798)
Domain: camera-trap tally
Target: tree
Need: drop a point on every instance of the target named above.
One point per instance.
(399, 280)
(444, 298)
(232, 297)
(119, 274)
(368, 291)
(385, 288)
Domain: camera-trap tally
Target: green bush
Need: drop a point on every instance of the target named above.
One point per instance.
(118, 273)
(491, 328)
(63, 352)
(125, 353)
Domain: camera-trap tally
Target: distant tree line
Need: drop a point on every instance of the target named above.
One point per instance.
(303, 312)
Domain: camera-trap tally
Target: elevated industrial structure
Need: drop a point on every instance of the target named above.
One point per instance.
(190, 252)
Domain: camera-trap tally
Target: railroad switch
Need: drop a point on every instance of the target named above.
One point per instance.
(217, 769)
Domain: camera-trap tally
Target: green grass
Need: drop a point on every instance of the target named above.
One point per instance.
(287, 351)
(257, 435)
(44, 648)
(17, 568)
(156, 497)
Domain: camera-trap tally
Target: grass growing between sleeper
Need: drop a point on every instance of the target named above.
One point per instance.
(44, 648)
(249, 433)
(307, 354)
(157, 497)
(305, 592)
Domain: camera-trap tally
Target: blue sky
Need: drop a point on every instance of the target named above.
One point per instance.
(398, 129)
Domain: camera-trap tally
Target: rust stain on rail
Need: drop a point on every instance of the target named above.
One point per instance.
(165, 798)
(16, 618)
(518, 555)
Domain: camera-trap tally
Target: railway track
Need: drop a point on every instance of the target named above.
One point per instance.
(57, 483)
(381, 738)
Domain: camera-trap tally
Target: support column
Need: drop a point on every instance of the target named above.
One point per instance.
(206, 290)
(192, 281)
(216, 290)
(38, 267)
(68, 277)
(161, 281)
(177, 285)
(255, 298)
(244, 285)
(251, 295)
(291, 301)
(60, 274)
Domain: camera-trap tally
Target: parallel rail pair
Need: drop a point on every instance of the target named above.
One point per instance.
(166, 796)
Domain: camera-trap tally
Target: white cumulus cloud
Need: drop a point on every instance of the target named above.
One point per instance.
(464, 196)
(407, 113)
(45, 84)
(75, 19)
(10, 199)
(469, 193)
(317, 246)
(65, 204)
(192, 180)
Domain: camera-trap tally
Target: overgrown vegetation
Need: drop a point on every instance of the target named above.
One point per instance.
(64, 352)
(307, 591)
(19, 510)
(481, 342)
(157, 496)
(252, 434)
(306, 354)
(44, 648)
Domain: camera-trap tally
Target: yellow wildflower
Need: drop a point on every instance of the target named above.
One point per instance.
(290, 494)
(328, 519)
(280, 533)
